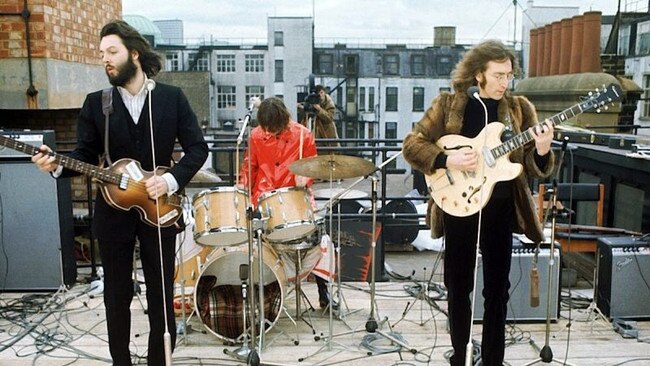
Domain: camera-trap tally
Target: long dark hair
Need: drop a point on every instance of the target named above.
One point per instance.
(134, 41)
(475, 62)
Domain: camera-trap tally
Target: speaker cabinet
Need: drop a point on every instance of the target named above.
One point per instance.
(37, 238)
(356, 250)
(623, 275)
(519, 308)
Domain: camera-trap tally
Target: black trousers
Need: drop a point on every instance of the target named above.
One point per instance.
(460, 253)
(117, 262)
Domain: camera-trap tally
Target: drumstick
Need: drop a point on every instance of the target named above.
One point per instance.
(301, 139)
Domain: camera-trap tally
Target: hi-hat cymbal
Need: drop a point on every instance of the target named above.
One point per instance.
(332, 166)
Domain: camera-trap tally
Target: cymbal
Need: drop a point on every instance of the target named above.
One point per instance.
(329, 193)
(325, 167)
(205, 176)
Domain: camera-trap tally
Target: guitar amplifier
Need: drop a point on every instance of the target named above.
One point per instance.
(519, 308)
(35, 138)
(623, 269)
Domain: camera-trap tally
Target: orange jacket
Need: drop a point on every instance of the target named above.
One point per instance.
(270, 156)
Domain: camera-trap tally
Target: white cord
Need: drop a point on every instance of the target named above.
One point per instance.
(166, 336)
(469, 347)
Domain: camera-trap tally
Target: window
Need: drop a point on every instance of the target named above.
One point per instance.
(201, 63)
(417, 65)
(443, 65)
(391, 99)
(646, 95)
(351, 64)
(254, 91)
(624, 40)
(325, 64)
(418, 99)
(254, 63)
(391, 132)
(279, 70)
(278, 38)
(362, 99)
(225, 63)
(371, 99)
(172, 62)
(643, 41)
(391, 64)
(226, 97)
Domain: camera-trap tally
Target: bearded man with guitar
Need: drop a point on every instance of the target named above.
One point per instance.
(505, 207)
(136, 197)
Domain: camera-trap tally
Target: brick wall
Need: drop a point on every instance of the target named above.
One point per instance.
(59, 29)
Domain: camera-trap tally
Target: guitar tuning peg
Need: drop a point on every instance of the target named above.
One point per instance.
(597, 110)
(590, 93)
(606, 107)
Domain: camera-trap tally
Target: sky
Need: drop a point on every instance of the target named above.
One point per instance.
(355, 19)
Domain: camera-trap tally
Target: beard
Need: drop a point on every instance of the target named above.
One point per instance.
(124, 73)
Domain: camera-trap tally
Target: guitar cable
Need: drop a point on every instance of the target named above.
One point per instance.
(150, 85)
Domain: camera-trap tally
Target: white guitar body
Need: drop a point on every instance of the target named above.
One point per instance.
(461, 193)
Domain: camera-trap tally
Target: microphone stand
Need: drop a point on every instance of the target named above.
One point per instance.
(546, 354)
(250, 355)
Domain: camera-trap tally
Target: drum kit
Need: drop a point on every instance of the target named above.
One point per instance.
(288, 234)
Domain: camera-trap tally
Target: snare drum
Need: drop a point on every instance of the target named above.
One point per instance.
(289, 214)
(218, 294)
(220, 216)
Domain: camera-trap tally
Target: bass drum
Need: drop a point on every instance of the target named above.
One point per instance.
(218, 294)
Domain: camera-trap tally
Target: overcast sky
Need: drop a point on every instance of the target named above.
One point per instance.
(383, 19)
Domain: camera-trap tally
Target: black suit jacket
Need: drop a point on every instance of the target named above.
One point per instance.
(173, 120)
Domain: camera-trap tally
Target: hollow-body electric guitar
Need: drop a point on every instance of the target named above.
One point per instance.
(460, 193)
(122, 184)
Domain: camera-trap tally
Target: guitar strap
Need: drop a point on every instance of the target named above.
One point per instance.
(107, 109)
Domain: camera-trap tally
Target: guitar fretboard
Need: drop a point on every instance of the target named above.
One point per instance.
(526, 137)
(104, 175)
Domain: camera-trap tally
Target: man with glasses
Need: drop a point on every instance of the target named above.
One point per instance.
(489, 66)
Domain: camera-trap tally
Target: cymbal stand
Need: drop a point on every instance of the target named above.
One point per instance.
(372, 326)
(545, 353)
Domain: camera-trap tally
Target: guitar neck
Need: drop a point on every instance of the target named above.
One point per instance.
(525, 137)
(93, 171)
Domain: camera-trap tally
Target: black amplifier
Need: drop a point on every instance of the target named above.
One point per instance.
(35, 138)
(623, 287)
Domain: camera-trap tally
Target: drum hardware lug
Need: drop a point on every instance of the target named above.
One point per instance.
(280, 198)
(269, 211)
(284, 217)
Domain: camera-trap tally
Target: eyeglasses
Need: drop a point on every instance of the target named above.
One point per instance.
(501, 77)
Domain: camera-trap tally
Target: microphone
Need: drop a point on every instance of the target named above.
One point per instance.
(473, 92)
(150, 84)
(534, 287)
(254, 102)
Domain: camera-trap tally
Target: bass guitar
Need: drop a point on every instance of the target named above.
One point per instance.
(122, 184)
(460, 193)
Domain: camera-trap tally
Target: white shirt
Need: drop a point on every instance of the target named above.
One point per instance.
(134, 104)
